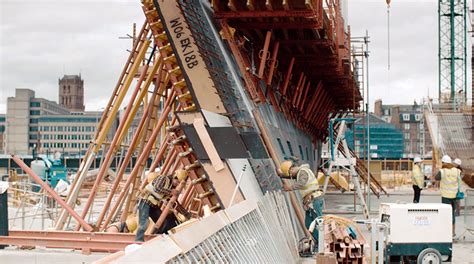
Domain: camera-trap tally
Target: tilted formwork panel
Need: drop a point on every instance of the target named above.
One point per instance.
(233, 94)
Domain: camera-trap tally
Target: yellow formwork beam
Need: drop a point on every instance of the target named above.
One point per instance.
(111, 116)
(144, 91)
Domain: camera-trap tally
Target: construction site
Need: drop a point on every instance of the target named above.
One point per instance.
(241, 132)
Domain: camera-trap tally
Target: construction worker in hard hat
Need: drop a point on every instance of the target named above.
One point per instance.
(128, 226)
(457, 164)
(449, 185)
(307, 184)
(417, 179)
(159, 189)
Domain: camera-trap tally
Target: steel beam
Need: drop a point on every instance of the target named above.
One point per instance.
(52, 193)
(102, 236)
(273, 63)
(276, 25)
(305, 42)
(109, 242)
(267, 13)
(263, 59)
(288, 77)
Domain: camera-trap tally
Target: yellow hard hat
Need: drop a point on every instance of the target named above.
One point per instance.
(151, 176)
(285, 167)
(181, 174)
(131, 223)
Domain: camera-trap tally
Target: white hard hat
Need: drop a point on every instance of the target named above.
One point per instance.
(417, 160)
(457, 162)
(446, 159)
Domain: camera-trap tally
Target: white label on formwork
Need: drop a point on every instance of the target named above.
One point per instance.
(421, 220)
(188, 54)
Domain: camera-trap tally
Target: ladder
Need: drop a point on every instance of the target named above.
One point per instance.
(352, 161)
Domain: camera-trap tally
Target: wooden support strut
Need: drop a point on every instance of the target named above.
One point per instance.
(143, 156)
(121, 95)
(77, 183)
(123, 126)
(128, 156)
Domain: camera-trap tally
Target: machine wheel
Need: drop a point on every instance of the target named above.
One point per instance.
(429, 256)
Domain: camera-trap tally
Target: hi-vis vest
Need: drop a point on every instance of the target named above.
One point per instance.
(449, 183)
(311, 185)
(417, 177)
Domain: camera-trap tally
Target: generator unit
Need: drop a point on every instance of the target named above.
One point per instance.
(422, 232)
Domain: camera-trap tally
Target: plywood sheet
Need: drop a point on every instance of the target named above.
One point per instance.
(216, 120)
(199, 231)
(187, 118)
(224, 183)
(208, 144)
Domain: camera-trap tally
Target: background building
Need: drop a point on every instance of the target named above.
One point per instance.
(69, 134)
(23, 112)
(410, 120)
(37, 123)
(2, 133)
(386, 141)
(71, 92)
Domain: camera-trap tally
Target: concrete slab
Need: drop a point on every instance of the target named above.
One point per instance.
(189, 237)
(241, 209)
(158, 250)
(13, 255)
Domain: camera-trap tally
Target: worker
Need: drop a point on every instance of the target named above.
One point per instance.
(308, 186)
(159, 189)
(457, 164)
(129, 226)
(417, 179)
(448, 175)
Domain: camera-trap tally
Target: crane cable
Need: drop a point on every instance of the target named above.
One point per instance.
(388, 32)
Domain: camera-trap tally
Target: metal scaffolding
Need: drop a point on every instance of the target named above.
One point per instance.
(452, 60)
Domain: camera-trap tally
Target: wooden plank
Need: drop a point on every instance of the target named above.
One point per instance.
(223, 183)
(208, 145)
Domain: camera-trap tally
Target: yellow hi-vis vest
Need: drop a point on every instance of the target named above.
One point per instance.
(311, 185)
(417, 176)
(449, 183)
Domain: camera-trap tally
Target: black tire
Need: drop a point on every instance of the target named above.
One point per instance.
(429, 256)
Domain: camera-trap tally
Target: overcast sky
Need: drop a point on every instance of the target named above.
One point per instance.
(43, 39)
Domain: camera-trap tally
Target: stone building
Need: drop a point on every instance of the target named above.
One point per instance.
(71, 92)
(410, 120)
